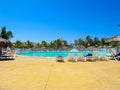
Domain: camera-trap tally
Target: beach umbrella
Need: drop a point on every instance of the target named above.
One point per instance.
(5, 43)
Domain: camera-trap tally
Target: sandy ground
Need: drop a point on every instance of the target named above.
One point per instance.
(28, 73)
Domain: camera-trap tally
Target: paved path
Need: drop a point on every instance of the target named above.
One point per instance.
(39, 74)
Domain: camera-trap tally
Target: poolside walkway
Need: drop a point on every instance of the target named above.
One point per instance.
(26, 73)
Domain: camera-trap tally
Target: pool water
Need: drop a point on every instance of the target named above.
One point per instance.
(55, 54)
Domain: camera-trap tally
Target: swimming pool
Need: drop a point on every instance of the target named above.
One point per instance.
(55, 54)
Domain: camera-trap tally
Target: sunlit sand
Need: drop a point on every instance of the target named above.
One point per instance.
(30, 73)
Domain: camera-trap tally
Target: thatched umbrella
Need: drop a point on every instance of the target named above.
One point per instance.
(5, 43)
(114, 39)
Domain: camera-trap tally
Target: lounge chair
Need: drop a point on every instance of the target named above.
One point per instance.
(80, 57)
(60, 59)
(5, 57)
(13, 55)
(104, 58)
(8, 56)
(115, 57)
(90, 57)
(71, 58)
(96, 56)
(118, 56)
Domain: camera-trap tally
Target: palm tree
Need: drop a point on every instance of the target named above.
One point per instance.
(44, 44)
(65, 43)
(96, 42)
(76, 42)
(6, 34)
(18, 44)
(59, 43)
(51, 44)
(114, 44)
(38, 45)
(29, 44)
(88, 41)
(103, 43)
(80, 41)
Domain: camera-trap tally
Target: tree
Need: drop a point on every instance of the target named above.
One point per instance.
(76, 42)
(59, 43)
(44, 44)
(38, 45)
(6, 34)
(114, 44)
(80, 41)
(29, 44)
(96, 42)
(88, 41)
(65, 43)
(18, 44)
(103, 41)
(51, 44)
(85, 44)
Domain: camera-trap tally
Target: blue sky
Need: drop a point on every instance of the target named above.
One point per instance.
(37, 20)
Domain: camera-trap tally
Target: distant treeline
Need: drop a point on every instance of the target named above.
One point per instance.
(60, 43)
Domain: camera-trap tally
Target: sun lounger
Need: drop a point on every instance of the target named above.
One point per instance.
(90, 57)
(4, 57)
(80, 57)
(96, 56)
(104, 58)
(71, 58)
(115, 57)
(8, 56)
(60, 59)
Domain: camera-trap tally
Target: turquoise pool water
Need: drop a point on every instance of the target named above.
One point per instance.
(55, 54)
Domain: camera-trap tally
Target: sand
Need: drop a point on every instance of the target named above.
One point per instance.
(30, 73)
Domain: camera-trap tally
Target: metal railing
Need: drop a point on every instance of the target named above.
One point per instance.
(107, 50)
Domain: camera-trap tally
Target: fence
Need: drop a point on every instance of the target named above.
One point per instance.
(107, 50)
